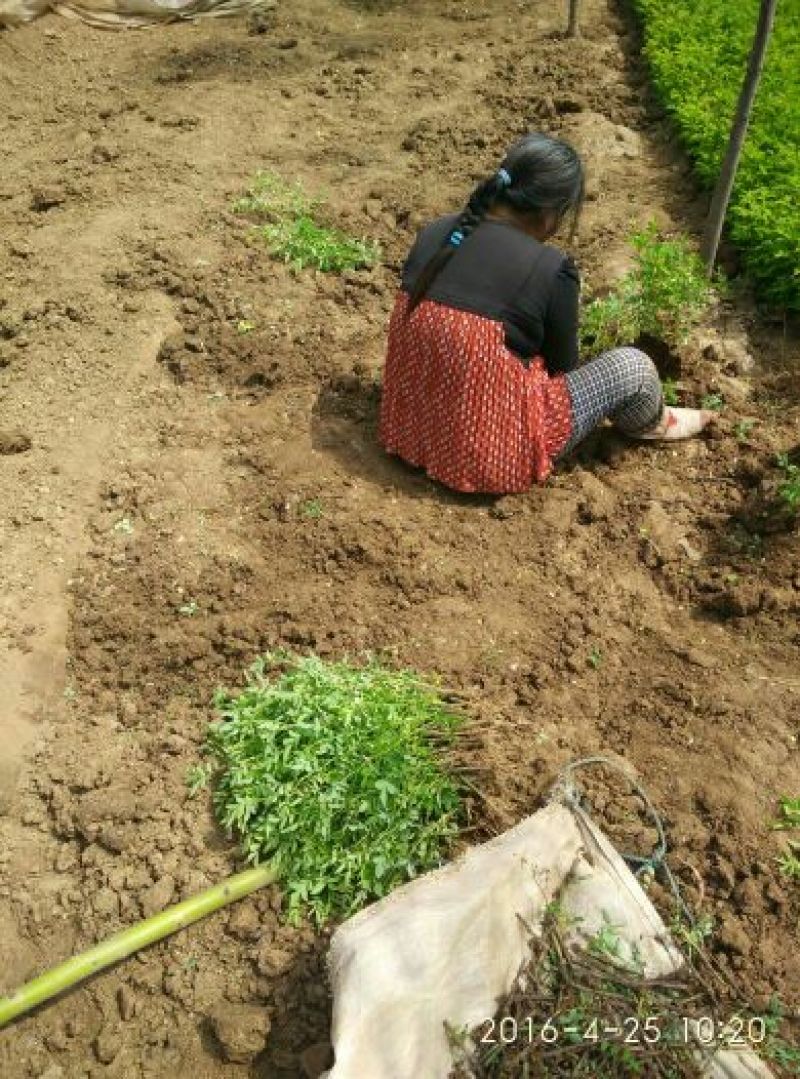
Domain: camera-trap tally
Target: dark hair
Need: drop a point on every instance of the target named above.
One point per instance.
(538, 173)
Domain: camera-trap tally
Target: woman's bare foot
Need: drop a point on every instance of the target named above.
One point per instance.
(677, 423)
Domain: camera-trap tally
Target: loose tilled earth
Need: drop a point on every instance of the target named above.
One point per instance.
(178, 496)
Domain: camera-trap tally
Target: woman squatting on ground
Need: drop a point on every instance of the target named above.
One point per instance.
(482, 386)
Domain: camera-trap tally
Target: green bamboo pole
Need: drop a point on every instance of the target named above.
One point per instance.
(125, 943)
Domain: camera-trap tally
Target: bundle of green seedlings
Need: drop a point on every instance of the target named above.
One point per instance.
(665, 295)
(288, 220)
(589, 1013)
(344, 778)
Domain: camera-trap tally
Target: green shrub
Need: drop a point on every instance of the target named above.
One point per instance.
(664, 295)
(332, 773)
(698, 55)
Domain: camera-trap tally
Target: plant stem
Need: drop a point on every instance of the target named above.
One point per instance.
(125, 943)
(722, 191)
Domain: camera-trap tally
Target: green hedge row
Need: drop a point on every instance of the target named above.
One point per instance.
(697, 51)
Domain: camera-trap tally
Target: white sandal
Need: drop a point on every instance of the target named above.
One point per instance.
(678, 423)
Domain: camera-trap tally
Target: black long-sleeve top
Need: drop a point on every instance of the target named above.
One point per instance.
(501, 272)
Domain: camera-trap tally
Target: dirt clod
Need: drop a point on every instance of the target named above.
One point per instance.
(733, 937)
(241, 1030)
(12, 442)
(126, 1003)
(158, 896)
(108, 1044)
(47, 197)
(316, 1059)
(244, 922)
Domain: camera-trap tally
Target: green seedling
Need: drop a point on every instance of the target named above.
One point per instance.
(693, 937)
(789, 861)
(334, 775)
(301, 242)
(789, 489)
(789, 819)
(189, 609)
(788, 815)
(669, 389)
(742, 429)
(312, 509)
(605, 941)
(665, 295)
(713, 401)
(288, 221)
(595, 658)
(776, 1049)
(560, 917)
(245, 326)
(270, 196)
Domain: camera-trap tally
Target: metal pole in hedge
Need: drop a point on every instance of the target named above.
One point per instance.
(724, 186)
(573, 29)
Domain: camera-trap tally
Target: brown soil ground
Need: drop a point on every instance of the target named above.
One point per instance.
(155, 461)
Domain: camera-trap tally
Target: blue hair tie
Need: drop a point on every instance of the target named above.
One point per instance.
(504, 177)
(456, 237)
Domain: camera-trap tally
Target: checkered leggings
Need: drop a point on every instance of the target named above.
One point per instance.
(621, 385)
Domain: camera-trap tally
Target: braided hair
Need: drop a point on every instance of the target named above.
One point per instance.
(538, 173)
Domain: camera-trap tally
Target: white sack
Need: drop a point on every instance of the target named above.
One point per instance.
(119, 14)
(17, 12)
(447, 948)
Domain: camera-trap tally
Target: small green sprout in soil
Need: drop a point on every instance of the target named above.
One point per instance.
(605, 941)
(776, 1049)
(742, 429)
(788, 819)
(789, 861)
(669, 389)
(665, 295)
(788, 815)
(288, 220)
(189, 609)
(713, 401)
(337, 775)
(693, 937)
(789, 489)
(312, 509)
(595, 658)
(245, 326)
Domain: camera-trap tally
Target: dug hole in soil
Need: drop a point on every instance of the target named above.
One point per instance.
(154, 533)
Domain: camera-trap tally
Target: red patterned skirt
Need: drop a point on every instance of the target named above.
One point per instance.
(459, 404)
